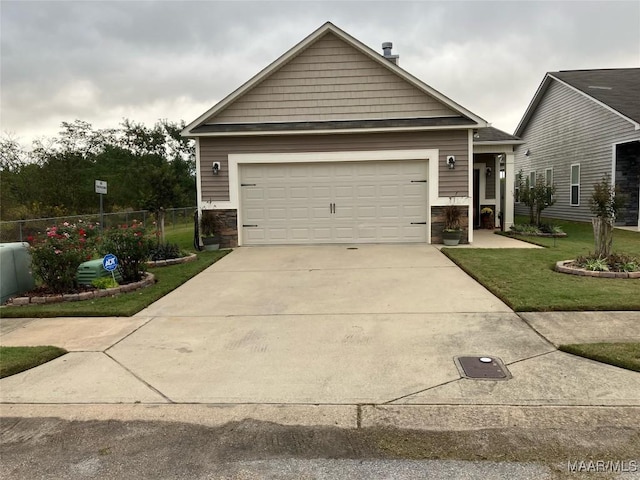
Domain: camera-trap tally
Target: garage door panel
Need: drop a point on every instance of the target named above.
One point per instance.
(277, 213)
(253, 193)
(334, 202)
(299, 193)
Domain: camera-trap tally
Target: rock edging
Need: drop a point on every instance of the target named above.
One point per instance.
(149, 279)
(172, 261)
(562, 267)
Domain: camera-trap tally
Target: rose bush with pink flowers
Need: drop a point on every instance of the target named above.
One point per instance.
(132, 247)
(56, 256)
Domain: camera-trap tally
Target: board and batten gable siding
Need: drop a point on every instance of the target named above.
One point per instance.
(331, 80)
(452, 142)
(567, 128)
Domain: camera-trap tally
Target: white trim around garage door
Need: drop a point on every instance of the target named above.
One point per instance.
(237, 159)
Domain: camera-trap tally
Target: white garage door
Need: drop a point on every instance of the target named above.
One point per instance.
(337, 202)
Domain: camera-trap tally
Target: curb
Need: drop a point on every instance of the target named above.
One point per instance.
(149, 279)
(172, 261)
(562, 268)
(404, 417)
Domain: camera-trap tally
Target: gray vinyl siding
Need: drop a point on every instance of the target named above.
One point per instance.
(568, 128)
(453, 142)
(331, 80)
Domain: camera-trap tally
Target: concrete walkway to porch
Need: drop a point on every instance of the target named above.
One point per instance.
(489, 239)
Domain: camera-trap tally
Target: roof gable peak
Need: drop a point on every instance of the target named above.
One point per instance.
(314, 37)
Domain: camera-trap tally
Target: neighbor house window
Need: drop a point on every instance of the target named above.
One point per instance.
(548, 181)
(575, 185)
(532, 180)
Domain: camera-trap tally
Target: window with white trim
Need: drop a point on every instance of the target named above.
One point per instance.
(532, 180)
(575, 185)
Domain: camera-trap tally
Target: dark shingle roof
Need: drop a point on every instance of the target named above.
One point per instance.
(491, 134)
(618, 88)
(333, 125)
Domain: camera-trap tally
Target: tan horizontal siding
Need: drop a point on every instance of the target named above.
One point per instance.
(331, 80)
(565, 129)
(217, 149)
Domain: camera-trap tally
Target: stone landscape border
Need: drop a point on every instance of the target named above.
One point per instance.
(172, 261)
(149, 279)
(562, 267)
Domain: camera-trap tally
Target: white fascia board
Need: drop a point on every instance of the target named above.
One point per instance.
(598, 102)
(501, 142)
(332, 131)
(533, 104)
(409, 78)
(329, 27)
(265, 72)
(505, 148)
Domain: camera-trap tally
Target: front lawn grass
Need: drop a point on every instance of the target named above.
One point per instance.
(525, 279)
(18, 359)
(624, 355)
(125, 304)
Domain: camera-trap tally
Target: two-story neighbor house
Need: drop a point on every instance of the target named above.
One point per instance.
(335, 143)
(581, 126)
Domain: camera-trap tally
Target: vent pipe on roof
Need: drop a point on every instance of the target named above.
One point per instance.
(386, 49)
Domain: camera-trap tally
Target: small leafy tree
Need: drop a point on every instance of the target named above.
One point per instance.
(605, 203)
(536, 197)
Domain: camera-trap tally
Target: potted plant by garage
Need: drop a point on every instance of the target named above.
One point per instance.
(209, 231)
(452, 231)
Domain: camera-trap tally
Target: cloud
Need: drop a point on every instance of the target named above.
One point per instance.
(101, 61)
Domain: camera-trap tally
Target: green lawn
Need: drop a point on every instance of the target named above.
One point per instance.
(624, 355)
(17, 359)
(525, 280)
(127, 304)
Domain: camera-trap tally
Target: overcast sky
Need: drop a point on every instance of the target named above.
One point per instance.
(105, 61)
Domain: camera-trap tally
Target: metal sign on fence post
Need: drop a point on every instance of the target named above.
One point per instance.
(101, 188)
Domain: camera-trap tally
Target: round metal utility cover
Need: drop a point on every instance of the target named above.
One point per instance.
(485, 360)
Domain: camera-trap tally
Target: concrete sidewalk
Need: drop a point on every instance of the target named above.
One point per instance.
(324, 326)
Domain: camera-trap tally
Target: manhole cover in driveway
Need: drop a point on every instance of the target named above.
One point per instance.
(482, 368)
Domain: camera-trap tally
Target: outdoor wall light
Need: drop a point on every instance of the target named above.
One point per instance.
(527, 152)
(451, 162)
(488, 171)
(216, 168)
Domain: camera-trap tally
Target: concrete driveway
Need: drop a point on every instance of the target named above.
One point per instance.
(319, 325)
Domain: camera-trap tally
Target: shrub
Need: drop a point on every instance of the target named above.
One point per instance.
(616, 262)
(165, 251)
(104, 282)
(132, 247)
(56, 256)
(550, 228)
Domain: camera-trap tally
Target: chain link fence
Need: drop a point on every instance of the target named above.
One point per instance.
(20, 230)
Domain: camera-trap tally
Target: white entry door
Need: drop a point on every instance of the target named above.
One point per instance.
(336, 202)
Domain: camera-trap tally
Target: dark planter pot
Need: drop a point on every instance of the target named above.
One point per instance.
(451, 238)
(488, 222)
(211, 243)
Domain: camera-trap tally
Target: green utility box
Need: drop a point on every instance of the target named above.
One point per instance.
(15, 270)
(89, 271)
